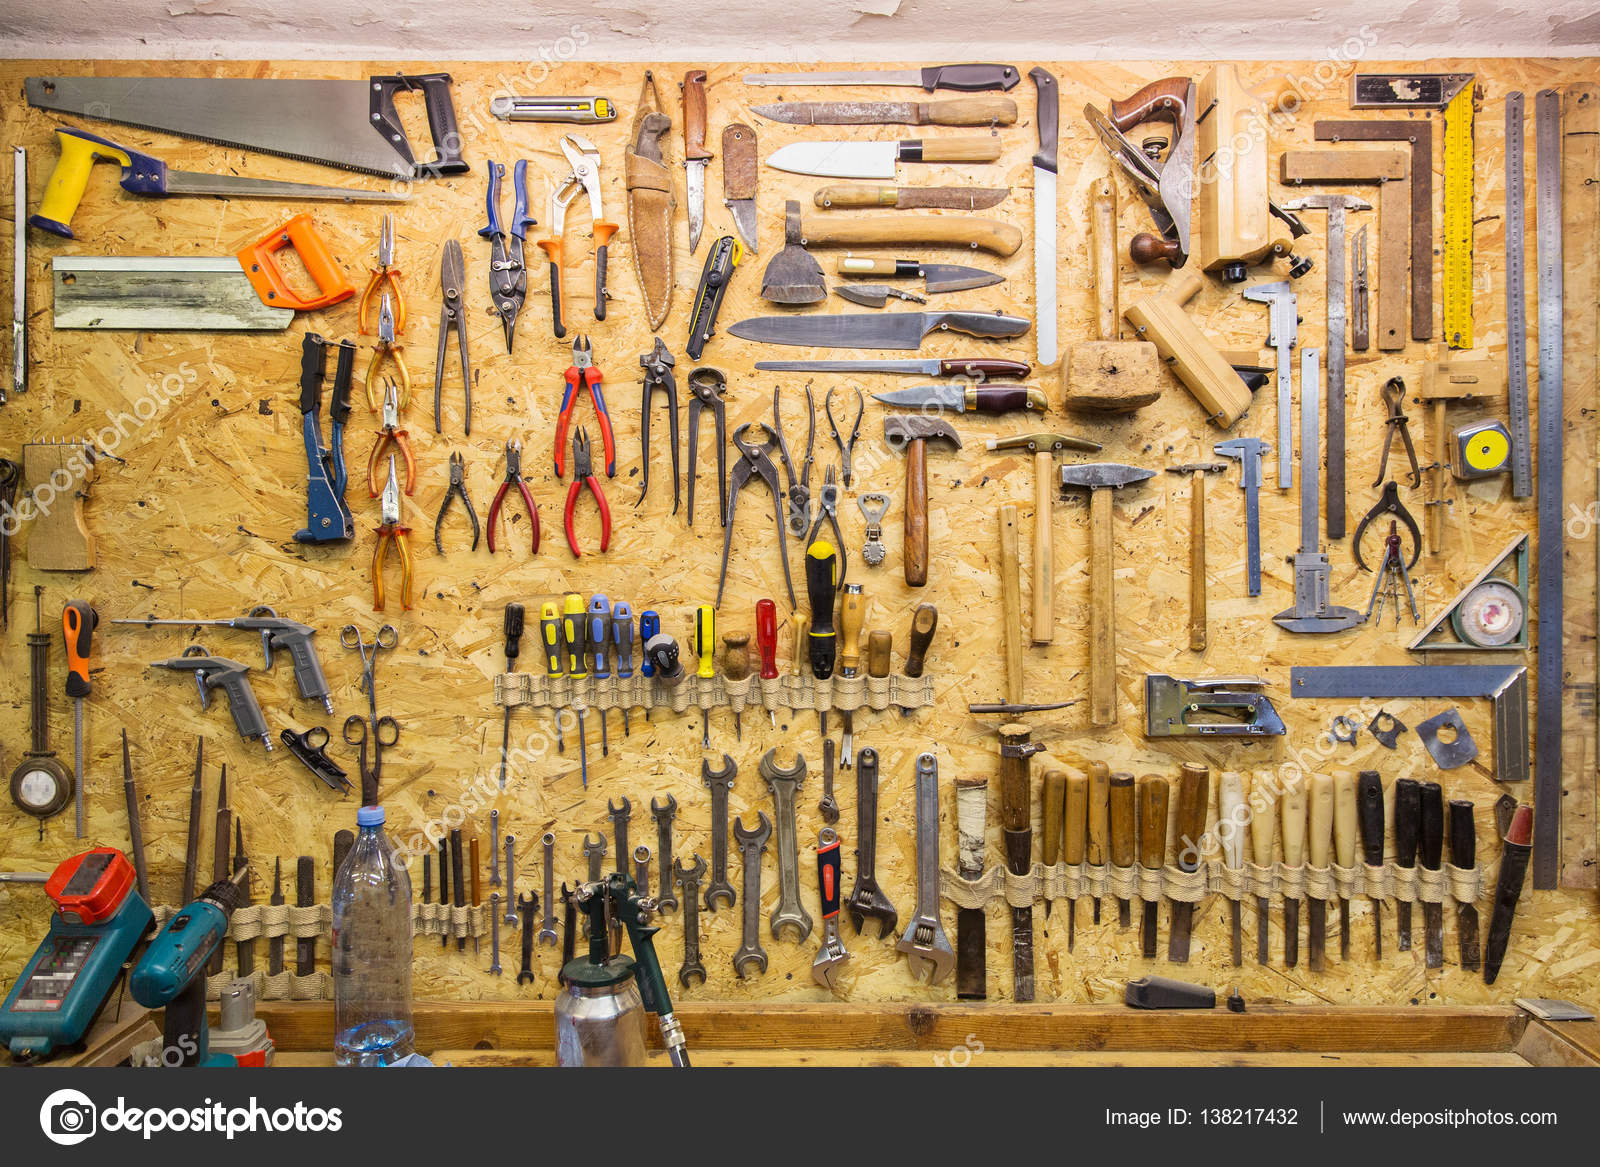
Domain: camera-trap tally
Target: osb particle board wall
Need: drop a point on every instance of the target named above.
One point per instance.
(195, 514)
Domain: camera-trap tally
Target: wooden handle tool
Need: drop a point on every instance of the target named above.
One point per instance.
(1099, 820)
(1232, 822)
(1054, 808)
(968, 232)
(972, 809)
(1292, 816)
(1016, 819)
(1263, 828)
(1011, 600)
(1074, 832)
(1407, 833)
(1123, 816)
(1430, 853)
(1344, 846)
(1194, 796)
(1464, 854)
(1319, 843)
(1152, 852)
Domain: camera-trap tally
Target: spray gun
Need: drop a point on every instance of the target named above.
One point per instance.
(277, 634)
(215, 672)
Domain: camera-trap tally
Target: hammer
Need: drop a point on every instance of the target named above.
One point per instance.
(1043, 447)
(912, 433)
(1100, 478)
(1197, 546)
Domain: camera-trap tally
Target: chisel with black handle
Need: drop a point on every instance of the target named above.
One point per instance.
(1430, 853)
(1123, 817)
(1464, 854)
(1407, 830)
(1515, 849)
(1319, 845)
(305, 893)
(275, 945)
(1344, 846)
(1263, 829)
(1292, 823)
(1194, 793)
(1152, 852)
(1369, 816)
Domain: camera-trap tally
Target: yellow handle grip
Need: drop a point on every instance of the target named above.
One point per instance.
(70, 178)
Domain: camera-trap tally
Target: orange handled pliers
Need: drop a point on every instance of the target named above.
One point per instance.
(387, 349)
(583, 373)
(584, 158)
(384, 280)
(391, 532)
(390, 434)
(583, 475)
(513, 476)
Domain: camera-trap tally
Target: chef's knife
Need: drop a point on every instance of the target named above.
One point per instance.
(967, 398)
(880, 330)
(877, 159)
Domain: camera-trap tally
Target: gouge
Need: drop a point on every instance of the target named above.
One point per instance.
(1318, 846)
(1152, 851)
(1194, 793)
(1369, 815)
(1464, 854)
(1407, 827)
(1344, 846)
(1292, 813)
(1055, 798)
(1232, 822)
(1122, 816)
(1430, 852)
(1095, 853)
(1073, 832)
(1263, 826)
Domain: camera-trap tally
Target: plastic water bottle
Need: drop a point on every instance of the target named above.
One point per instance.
(371, 950)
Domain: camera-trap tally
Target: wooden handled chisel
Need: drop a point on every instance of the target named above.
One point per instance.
(1152, 850)
(1096, 852)
(1319, 844)
(1430, 852)
(1055, 797)
(972, 933)
(1515, 848)
(1122, 816)
(1292, 816)
(1231, 827)
(1407, 827)
(1344, 846)
(1194, 795)
(1074, 831)
(1263, 829)
(1369, 816)
(1464, 854)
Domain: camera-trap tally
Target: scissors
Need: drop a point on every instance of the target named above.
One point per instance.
(386, 733)
(384, 640)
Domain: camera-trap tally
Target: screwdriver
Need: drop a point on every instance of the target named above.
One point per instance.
(767, 644)
(822, 580)
(736, 667)
(852, 614)
(798, 623)
(572, 629)
(622, 641)
(705, 647)
(550, 633)
(599, 640)
(78, 622)
(649, 626)
(513, 626)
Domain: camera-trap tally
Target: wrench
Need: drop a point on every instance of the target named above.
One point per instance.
(719, 782)
(641, 870)
(688, 878)
(828, 807)
(494, 933)
(494, 848)
(832, 954)
(547, 932)
(867, 900)
(595, 853)
(664, 816)
(526, 906)
(619, 827)
(924, 941)
(511, 880)
(569, 925)
(784, 785)
(751, 846)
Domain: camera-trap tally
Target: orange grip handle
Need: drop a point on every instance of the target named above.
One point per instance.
(261, 268)
(78, 622)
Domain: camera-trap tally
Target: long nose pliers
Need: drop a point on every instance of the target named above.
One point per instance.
(584, 374)
(391, 435)
(513, 477)
(508, 274)
(385, 280)
(583, 475)
(391, 531)
(387, 349)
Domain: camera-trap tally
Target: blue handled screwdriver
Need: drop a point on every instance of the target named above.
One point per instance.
(622, 641)
(649, 625)
(599, 642)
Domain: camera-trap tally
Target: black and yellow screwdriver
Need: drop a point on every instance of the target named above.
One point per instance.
(572, 634)
(550, 635)
(705, 648)
(822, 582)
(515, 618)
(78, 622)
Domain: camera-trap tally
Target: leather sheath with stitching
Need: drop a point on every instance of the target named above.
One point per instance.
(650, 204)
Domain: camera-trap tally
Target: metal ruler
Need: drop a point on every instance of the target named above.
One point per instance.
(1516, 306)
(1550, 602)
(1457, 243)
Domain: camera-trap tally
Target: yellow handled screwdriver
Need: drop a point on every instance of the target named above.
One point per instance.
(572, 634)
(550, 634)
(705, 647)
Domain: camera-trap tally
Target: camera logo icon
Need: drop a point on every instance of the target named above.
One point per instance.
(68, 1117)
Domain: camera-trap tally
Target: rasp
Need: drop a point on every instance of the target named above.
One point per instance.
(883, 330)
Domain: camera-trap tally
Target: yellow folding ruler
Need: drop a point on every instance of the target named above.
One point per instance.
(1458, 219)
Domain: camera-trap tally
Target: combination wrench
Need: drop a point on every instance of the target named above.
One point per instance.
(783, 784)
(511, 881)
(494, 933)
(641, 870)
(526, 906)
(688, 878)
(494, 848)
(719, 782)
(619, 827)
(751, 846)
(664, 816)
(924, 942)
(547, 930)
(867, 900)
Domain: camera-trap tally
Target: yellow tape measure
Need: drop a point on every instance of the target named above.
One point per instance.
(1458, 163)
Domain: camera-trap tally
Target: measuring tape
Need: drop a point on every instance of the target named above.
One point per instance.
(1458, 220)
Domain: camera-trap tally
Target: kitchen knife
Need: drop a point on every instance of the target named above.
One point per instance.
(966, 78)
(938, 278)
(967, 398)
(877, 159)
(695, 155)
(882, 330)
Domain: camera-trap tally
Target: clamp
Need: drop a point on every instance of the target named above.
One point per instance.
(452, 318)
(508, 273)
(828, 511)
(799, 484)
(657, 365)
(513, 478)
(457, 489)
(708, 387)
(846, 448)
(583, 475)
(391, 435)
(1389, 504)
(583, 372)
(584, 158)
(385, 280)
(1394, 396)
(389, 532)
(755, 462)
(387, 349)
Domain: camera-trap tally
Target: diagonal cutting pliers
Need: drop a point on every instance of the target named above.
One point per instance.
(583, 475)
(457, 489)
(513, 477)
(508, 274)
(583, 373)
(452, 319)
(390, 435)
(584, 159)
(391, 531)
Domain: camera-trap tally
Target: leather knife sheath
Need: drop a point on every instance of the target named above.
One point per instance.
(650, 204)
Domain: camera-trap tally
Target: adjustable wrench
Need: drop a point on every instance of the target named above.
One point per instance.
(511, 880)
(924, 940)
(751, 846)
(526, 906)
(828, 808)
(494, 933)
(784, 784)
(866, 897)
(719, 782)
(688, 878)
(619, 827)
(664, 816)
(641, 869)
(832, 954)
(547, 931)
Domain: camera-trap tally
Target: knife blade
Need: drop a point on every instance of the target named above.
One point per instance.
(739, 179)
(1344, 846)
(1369, 812)
(1231, 825)
(911, 198)
(938, 278)
(1194, 793)
(1044, 215)
(1407, 827)
(1464, 854)
(1292, 825)
(881, 330)
(1152, 853)
(990, 399)
(695, 155)
(877, 159)
(1318, 847)
(967, 78)
(1263, 829)
(967, 111)
(1430, 852)
(979, 367)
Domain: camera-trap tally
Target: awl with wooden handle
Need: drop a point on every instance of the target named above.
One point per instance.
(1292, 820)
(1074, 831)
(1263, 828)
(1054, 812)
(1369, 815)
(1096, 851)
(1407, 829)
(1430, 853)
(1319, 843)
(1231, 826)
(1123, 817)
(1152, 852)
(1464, 854)
(1194, 793)
(1344, 846)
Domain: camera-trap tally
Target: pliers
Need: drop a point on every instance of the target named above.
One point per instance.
(846, 448)
(828, 511)
(583, 475)
(755, 462)
(657, 365)
(584, 158)
(583, 372)
(385, 279)
(508, 275)
(458, 489)
(452, 318)
(386, 348)
(707, 387)
(513, 476)
(390, 434)
(391, 532)
(799, 484)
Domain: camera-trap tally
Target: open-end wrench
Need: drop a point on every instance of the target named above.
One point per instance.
(569, 926)
(595, 853)
(511, 880)
(751, 846)
(494, 933)
(867, 900)
(547, 930)
(825, 968)
(829, 806)
(619, 828)
(664, 816)
(924, 941)
(641, 870)
(494, 848)
(688, 878)
(784, 784)
(527, 905)
(719, 782)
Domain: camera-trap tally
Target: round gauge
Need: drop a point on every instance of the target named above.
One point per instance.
(41, 786)
(1491, 615)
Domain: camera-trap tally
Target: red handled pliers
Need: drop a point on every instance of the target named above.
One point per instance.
(583, 372)
(513, 475)
(583, 474)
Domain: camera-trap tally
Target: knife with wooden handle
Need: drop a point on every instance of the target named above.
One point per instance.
(1464, 854)
(1430, 852)
(1263, 829)
(1231, 826)
(1319, 843)
(1073, 833)
(974, 232)
(1055, 797)
(1095, 853)
(1123, 817)
(1369, 814)
(1407, 829)
(1292, 822)
(1152, 850)
(1194, 794)
(1344, 846)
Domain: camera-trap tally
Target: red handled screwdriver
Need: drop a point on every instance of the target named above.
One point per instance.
(767, 643)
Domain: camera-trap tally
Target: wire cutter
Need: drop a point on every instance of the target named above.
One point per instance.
(755, 462)
(387, 349)
(657, 365)
(583, 372)
(390, 434)
(828, 511)
(508, 275)
(457, 489)
(452, 318)
(391, 532)
(585, 161)
(513, 476)
(846, 448)
(385, 279)
(583, 475)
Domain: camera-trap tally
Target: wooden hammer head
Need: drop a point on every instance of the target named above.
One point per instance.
(901, 430)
